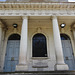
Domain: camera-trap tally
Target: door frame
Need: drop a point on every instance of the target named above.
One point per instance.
(5, 45)
(69, 38)
(47, 38)
(45, 43)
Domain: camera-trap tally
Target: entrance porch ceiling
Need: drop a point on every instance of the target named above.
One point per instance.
(36, 17)
(68, 20)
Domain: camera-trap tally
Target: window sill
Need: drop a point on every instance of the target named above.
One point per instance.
(39, 58)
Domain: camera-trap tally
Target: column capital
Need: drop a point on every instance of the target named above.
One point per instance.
(1, 24)
(24, 17)
(73, 26)
(53, 17)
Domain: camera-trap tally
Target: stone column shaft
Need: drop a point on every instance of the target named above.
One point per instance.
(23, 42)
(0, 48)
(0, 36)
(23, 46)
(73, 29)
(60, 65)
(74, 34)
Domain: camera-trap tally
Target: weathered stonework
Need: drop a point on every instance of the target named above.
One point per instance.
(39, 17)
(38, 0)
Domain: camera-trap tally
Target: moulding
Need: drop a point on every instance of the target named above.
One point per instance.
(36, 6)
(37, 12)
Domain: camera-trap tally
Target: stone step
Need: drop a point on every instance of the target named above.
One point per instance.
(39, 73)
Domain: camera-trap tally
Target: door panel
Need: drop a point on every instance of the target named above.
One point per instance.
(68, 54)
(12, 55)
(7, 66)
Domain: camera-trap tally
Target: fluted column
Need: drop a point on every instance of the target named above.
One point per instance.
(22, 66)
(60, 65)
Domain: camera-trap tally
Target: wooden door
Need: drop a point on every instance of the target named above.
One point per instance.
(68, 54)
(12, 55)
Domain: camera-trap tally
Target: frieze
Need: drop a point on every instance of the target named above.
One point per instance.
(37, 13)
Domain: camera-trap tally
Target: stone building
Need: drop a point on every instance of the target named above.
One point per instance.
(37, 35)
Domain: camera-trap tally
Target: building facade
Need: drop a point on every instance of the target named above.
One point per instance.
(37, 35)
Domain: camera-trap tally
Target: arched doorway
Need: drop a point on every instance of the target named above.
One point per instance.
(12, 53)
(67, 51)
(39, 45)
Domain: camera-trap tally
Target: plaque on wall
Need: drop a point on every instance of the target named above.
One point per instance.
(40, 64)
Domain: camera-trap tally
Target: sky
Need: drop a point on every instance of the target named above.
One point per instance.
(71, 0)
(68, 0)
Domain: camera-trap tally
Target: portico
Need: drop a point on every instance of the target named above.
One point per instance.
(41, 20)
(60, 65)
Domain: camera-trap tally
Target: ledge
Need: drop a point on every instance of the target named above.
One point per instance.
(44, 72)
(39, 58)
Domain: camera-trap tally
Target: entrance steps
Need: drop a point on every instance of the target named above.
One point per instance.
(39, 73)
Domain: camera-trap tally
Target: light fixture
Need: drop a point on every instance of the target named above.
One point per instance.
(62, 25)
(15, 25)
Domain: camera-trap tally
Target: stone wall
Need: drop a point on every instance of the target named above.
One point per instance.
(39, 0)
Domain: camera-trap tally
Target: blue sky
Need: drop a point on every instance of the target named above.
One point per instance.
(68, 0)
(71, 0)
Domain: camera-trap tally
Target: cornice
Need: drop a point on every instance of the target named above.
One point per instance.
(37, 12)
(35, 6)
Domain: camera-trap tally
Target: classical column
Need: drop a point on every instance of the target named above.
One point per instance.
(73, 31)
(0, 47)
(60, 65)
(22, 66)
(74, 34)
(0, 36)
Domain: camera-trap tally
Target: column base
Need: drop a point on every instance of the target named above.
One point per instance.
(61, 67)
(21, 67)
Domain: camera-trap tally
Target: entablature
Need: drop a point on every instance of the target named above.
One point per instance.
(36, 6)
(37, 12)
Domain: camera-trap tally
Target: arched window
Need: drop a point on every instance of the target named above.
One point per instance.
(64, 37)
(14, 37)
(39, 45)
